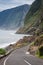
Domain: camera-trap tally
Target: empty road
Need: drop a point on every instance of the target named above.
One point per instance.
(21, 57)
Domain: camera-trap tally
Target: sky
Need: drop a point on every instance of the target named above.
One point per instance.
(6, 4)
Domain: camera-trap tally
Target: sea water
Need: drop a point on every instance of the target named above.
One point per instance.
(9, 37)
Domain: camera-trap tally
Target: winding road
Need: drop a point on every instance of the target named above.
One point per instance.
(21, 57)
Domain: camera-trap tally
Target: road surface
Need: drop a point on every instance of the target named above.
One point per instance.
(21, 57)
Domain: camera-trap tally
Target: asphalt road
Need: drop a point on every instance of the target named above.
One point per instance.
(21, 57)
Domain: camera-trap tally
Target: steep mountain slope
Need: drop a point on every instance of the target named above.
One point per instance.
(34, 18)
(33, 24)
(13, 18)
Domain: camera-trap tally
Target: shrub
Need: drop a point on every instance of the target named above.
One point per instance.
(2, 51)
(41, 51)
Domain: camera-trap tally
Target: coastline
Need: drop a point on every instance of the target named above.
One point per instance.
(20, 43)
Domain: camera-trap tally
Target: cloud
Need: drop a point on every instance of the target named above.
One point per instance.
(5, 4)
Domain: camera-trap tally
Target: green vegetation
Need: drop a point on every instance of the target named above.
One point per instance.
(33, 24)
(38, 41)
(36, 46)
(34, 18)
(39, 53)
(2, 51)
(32, 44)
(33, 10)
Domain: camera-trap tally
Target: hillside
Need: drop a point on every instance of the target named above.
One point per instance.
(14, 17)
(34, 19)
(33, 24)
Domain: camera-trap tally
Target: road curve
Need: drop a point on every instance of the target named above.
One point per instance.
(20, 57)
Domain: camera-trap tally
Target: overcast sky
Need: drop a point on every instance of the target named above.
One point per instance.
(6, 4)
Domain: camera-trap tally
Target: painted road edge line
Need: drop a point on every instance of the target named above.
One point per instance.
(6, 60)
(27, 62)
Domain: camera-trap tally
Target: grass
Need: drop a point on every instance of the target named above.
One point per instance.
(39, 52)
(32, 43)
(30, 22)
(38, 44)
(2, 51)
(39, 56)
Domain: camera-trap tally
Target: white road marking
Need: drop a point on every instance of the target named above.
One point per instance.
(6, 60)
(27, 53)
(27, 62)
